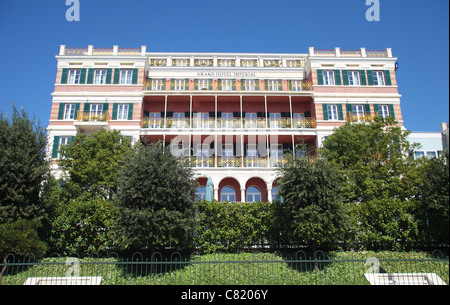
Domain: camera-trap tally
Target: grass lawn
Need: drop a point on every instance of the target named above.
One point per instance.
(340, 268)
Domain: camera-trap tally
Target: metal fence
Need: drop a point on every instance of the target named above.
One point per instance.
(336, 268)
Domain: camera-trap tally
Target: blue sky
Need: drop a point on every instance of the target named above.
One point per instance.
(31, 32)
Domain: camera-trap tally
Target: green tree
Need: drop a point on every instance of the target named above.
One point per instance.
(312, 207)
(429, 180)
(92, 162)
(374, 159)
(155, 200)
(23, 167)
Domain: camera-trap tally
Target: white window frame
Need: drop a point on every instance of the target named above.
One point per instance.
(180, 84)
(157, 84)
(328, 78)
(178, 120)
(227, 84)
(275, 120)
(383, 111)
(74, 76)
(126, 76)
(225, 196)
(202, 155)
(333, 112)
(154, 120)
(69, 112)
(250, 85)
(95, 110)
(272, 85)
(200, 193)
(99, 76)
(353, 78)
(299, 119)
(378, 78)
(252, 196)
(62, 141)
(122, 112)
(358, 111)
(203, 84)
(227, 154)
(296, 85)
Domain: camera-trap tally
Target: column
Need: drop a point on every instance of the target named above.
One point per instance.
(216, 194)
(243, 195)
(269, 193)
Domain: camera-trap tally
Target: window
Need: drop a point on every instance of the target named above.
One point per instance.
(100, 76)
(299, 120)
(154, 120)
(252, 156)
(249, 85)
(157, 84)
(383, 111)
(418, 154)
(201, 193)
(333, 112)
(69, 112)
(179, 120)
(378, 78)
(63, 141)
(272, 85)
(227, 120)
(275, 191)
(253, 194)
(201, 120)
(203, 84)
(96, 111)
(227, 155)
(251, 120)
(122, 112)
(275, 120)
(358, 111)
(126, 76)
(228, 194)
(431, 154)
(353, 78)
(296, 85)
(180, 84)
(227, 84)
(74, 76)
(328, 77)
(276, 153)
(202, 155)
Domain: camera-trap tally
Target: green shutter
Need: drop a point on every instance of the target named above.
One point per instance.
(87, 108)
(108, 76)
(55, 147)
(337, 77)
(83, 76)
(387, 76)
(90, 78)
(77, 108)
(116, 76)
(370, 77)
(64, 76)
(349, 109)
(376, 109)
(391, 111)
(130, 111)
(319, 77)
(362, 76)
(367, 109)
(135, 76)
(243, 84)
(186, 84)
(345, 77)
(114, 112)
(266, 85)
(61, 111)
(105, 107)
(325, 111)
(340, 112)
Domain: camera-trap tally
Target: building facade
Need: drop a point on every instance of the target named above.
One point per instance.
(234, 115)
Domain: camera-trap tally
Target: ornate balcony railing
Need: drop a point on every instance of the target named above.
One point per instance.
(353, 118)
(85, 116)
(230, 123)
(232, 161)
(229, 161)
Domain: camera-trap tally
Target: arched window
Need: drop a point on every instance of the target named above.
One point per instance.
(253, 194)
(201, 193)
(275, 190)
(228, 194)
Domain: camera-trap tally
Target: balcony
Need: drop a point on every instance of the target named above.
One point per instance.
(228, 123)
(233, 162)
(90, 122)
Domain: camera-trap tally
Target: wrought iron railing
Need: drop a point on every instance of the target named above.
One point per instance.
(88, 116)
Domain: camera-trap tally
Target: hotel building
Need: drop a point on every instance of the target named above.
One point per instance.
(234, 115)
